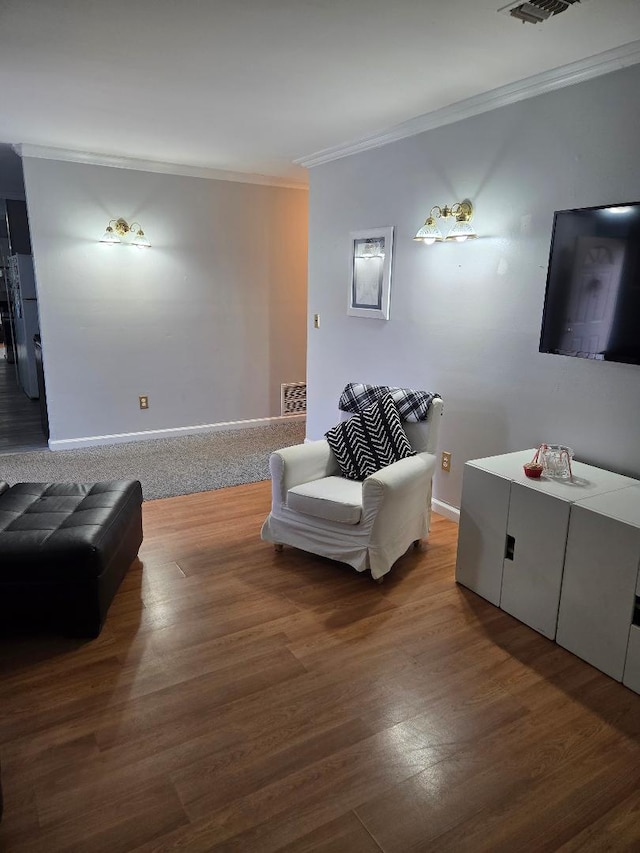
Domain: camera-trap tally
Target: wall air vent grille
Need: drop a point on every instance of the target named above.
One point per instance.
(293, 398)
(536, 11)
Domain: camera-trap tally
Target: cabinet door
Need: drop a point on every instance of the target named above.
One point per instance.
(481, 534)
(632, 665)
(532, 574)
(598, 589)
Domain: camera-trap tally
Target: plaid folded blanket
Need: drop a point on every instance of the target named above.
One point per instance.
(412, 405)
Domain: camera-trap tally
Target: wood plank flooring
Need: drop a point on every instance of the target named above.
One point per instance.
(20, 427)
(243, 700)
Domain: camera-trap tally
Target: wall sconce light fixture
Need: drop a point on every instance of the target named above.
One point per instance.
(119, 231)
(461, 229)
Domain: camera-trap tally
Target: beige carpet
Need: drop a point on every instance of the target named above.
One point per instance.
(166, 466)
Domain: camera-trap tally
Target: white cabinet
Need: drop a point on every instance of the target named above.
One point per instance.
(482, 531)
(632, 666)
(600, 584)
(532, 568)
(513, 532)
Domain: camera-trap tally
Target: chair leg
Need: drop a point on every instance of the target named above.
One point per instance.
(278, 548)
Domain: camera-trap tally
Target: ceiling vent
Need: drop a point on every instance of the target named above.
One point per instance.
(536, 11)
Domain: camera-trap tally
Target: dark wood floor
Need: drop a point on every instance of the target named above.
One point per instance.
(242, 700)
(20, 427)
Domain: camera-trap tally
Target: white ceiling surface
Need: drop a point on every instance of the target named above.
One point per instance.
(253, 85)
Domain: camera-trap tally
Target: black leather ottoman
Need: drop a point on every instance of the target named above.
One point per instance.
(64, 550)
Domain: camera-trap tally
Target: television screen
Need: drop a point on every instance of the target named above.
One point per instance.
(592, 300)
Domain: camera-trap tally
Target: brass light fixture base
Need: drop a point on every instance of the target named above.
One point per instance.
(121, 227)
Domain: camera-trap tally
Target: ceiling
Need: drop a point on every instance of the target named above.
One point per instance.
(254, 85)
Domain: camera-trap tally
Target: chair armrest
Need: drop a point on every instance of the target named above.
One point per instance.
(434, 418)
(399, 490)
(301, 463)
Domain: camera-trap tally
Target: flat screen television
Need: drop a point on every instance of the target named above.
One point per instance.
(592, 300)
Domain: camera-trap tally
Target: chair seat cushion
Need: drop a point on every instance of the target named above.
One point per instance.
(331, 498)
(370, 440)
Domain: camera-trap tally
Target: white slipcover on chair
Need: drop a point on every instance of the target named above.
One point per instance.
(366, 524)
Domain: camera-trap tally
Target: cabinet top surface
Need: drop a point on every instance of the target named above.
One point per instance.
(623, 505)
(587, 481)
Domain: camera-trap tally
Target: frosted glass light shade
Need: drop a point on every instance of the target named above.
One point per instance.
(141, 240)
(461, 231)
(429, 233)
(110, 236)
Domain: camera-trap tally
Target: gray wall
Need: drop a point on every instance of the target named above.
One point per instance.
(465, 318)
(207, 323)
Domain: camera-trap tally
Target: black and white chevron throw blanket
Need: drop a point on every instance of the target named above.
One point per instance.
(412, 405)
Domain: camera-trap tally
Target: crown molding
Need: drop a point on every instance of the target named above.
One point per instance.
(90, 158)
(547, 81)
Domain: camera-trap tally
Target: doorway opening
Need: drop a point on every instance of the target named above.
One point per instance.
(23, 418)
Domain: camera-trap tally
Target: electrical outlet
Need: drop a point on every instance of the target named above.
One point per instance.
(316, 321)
(144, 402)
(445, 464)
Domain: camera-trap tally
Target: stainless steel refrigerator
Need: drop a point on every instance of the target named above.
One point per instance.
(24, 311)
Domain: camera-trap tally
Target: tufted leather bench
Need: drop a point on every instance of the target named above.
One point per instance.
(64, 550)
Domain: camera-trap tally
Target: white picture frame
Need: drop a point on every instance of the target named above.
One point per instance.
(370, 283)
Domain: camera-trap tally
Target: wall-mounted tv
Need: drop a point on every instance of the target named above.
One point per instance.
(592, 301)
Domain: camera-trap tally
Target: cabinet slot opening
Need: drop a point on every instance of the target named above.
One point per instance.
(509, 547)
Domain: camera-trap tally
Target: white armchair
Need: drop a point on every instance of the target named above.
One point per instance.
(367, 524)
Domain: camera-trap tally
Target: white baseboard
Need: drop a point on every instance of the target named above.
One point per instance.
(448, 511)
(120, 438)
